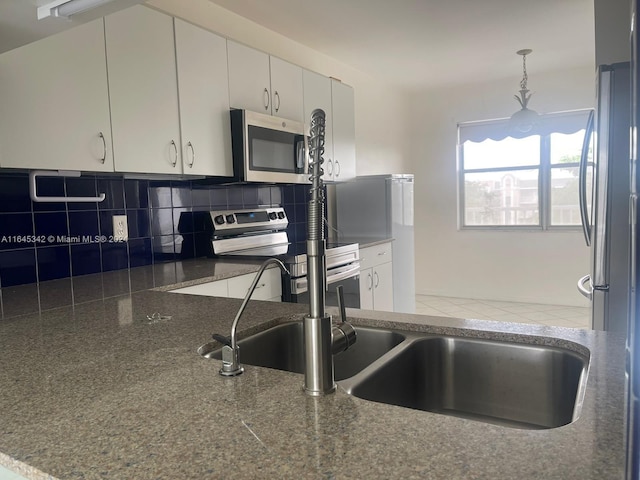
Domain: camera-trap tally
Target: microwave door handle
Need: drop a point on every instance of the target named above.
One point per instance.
(300, 155)
(584, 214)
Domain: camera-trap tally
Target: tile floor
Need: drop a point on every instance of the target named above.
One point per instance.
(550, 315)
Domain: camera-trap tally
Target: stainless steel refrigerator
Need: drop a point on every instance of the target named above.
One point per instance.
(605, 206)
(373, 207)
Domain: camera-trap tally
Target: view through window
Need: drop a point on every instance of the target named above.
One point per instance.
(531, 181)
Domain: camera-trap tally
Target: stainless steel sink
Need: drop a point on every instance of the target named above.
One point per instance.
(281, 347)
(517, 385)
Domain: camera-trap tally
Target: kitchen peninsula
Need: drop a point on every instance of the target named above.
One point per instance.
(105, 389)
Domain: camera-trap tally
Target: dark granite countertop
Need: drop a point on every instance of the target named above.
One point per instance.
(98, 390)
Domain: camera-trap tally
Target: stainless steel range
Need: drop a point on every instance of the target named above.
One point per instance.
(261, 232)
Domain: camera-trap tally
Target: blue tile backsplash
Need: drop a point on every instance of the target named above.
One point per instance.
(47, 241)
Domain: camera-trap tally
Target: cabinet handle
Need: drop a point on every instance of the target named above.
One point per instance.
(337, 168)
(330, 167)
(193, 155)
(370, 282)
(175, 154)
(265, 97)
(384, 252)
(277, 97)
(377, 279)
(104, 148)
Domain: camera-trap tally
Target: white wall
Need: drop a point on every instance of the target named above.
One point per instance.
(533, 266)
(381, 146)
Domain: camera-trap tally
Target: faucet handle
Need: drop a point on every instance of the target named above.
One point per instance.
(341, 306)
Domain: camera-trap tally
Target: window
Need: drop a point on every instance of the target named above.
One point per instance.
(527, 182)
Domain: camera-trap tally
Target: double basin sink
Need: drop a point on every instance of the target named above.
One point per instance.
(518, 385)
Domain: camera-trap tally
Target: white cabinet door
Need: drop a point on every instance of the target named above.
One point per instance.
(383, 287)
(317, 94)
(286, 90)
(143, 91)
(203, 90)
(344, 131)
(249, 81)
(218, 288)
(269, 286)
(366, 289)
(54, 103)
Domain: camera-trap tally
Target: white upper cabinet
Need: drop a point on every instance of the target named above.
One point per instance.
(317, 94)
(203, 91)
(143, 91)
(344, 131)
(264, 84)
(54, 103)
(286, 90)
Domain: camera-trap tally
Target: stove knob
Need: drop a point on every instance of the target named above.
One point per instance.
(272, 215)
(280, 215)
(219, 220)
(231, 219)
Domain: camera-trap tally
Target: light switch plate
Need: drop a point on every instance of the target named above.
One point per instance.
(120, 229)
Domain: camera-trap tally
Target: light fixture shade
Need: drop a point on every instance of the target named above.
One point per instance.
(523, 121)
(66, 8)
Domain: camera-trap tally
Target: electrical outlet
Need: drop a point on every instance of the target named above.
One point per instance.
(120, 229)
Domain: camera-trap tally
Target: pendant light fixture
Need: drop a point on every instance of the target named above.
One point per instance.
(525, 119)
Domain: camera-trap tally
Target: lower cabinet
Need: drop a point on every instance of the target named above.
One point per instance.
(376, 278)
(269, 287)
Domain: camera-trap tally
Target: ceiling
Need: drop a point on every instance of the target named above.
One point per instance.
(409, 43)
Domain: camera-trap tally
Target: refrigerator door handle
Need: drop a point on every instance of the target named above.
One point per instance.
(588, 293)
(584, 213)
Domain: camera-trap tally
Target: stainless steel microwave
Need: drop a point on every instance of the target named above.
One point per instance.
(268, 149)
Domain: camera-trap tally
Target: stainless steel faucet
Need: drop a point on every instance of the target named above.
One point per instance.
(317, 328)
(230, 351)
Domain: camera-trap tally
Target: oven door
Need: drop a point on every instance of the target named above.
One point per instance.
(348, 276)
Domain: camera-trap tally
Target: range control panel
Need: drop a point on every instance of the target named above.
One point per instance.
(231, 222)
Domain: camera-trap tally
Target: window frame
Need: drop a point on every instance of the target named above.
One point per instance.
(545, 169)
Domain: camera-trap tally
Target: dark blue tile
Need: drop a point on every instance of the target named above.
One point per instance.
(276, 196)
(249, 196)
(113, 188)
(85, 259)
(291, 232)
(83, 187)
(140, 252)
(202, 221)
(136, 193)
(163, 248)
(15, 228)
(138, 223)
(290, 211)
(106, 221)
(183, 220)
(53, 226)
(114, 256)
(180, 195)
(50, 187)
(301, 213)
(53, 262)
(219, 199)
(160, 196)
(84, 224)
(17, 267)
(14, 193)
(302, 193)
(235, 197)
(288, 194)
(161, 221)
(200, 197)
(301, 231)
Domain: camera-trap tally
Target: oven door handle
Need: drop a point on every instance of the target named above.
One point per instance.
(336, 275)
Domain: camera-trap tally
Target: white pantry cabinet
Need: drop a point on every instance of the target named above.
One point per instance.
(203, 91)
(143, 91)
(344, 131)
(264, 84)
(269, 287)
(54, 103)
(376, 278)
